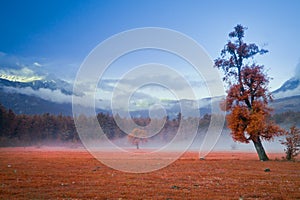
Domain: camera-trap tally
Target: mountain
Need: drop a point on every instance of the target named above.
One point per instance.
(291, 103)
(287, 97)
(21, 94)
(24, 96)
(288, 89)
(29, 104)
(46, 83)
(14, 95)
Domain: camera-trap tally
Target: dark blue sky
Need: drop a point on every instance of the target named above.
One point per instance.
(63, 32)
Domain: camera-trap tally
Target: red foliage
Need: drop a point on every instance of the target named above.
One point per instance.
(137, 136)
(248, 102)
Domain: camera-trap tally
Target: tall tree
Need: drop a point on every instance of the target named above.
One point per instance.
(247, 95)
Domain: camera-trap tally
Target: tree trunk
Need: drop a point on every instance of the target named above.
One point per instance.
(289, 154)
(260, 150)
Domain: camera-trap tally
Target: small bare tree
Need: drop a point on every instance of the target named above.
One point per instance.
(292, 143)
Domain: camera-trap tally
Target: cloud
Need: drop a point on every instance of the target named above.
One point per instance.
(37, 64)
(12, 64)
(160, 85)
(58, 97)
(168, 81)
(21, 75)
(20, 66)
(139, 100)
(107, 84)
(50, 95)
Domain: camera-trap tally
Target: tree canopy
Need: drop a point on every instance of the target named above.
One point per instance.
(137, 136)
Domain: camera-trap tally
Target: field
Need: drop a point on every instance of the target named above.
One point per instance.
(28, 173)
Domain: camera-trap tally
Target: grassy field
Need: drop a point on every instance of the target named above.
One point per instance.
(64, 174)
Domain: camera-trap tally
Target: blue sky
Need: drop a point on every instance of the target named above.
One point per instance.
(59, 34)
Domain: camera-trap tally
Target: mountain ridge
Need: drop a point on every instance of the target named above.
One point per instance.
(291, 87)
(30, 104)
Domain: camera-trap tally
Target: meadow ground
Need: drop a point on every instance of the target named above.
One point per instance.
(29, 173)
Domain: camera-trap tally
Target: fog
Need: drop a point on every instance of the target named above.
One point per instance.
(224, 143)
(156, 144)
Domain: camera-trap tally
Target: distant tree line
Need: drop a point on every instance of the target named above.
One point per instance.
(287, 118)
(22, 129)
(26, 130)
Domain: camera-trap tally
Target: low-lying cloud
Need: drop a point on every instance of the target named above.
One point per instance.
(50, 95)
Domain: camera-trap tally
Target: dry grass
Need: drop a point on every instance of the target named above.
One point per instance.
(41, 174)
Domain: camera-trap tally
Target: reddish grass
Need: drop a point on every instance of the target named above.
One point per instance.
(45, 174)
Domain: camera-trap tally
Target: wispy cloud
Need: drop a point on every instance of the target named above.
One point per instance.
(159, 86)
(44, 93)
(22, 66)
(37, 64)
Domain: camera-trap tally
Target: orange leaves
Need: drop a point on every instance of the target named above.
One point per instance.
(137, 136)
(249, 124)
(234, 96)
(238, 121)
